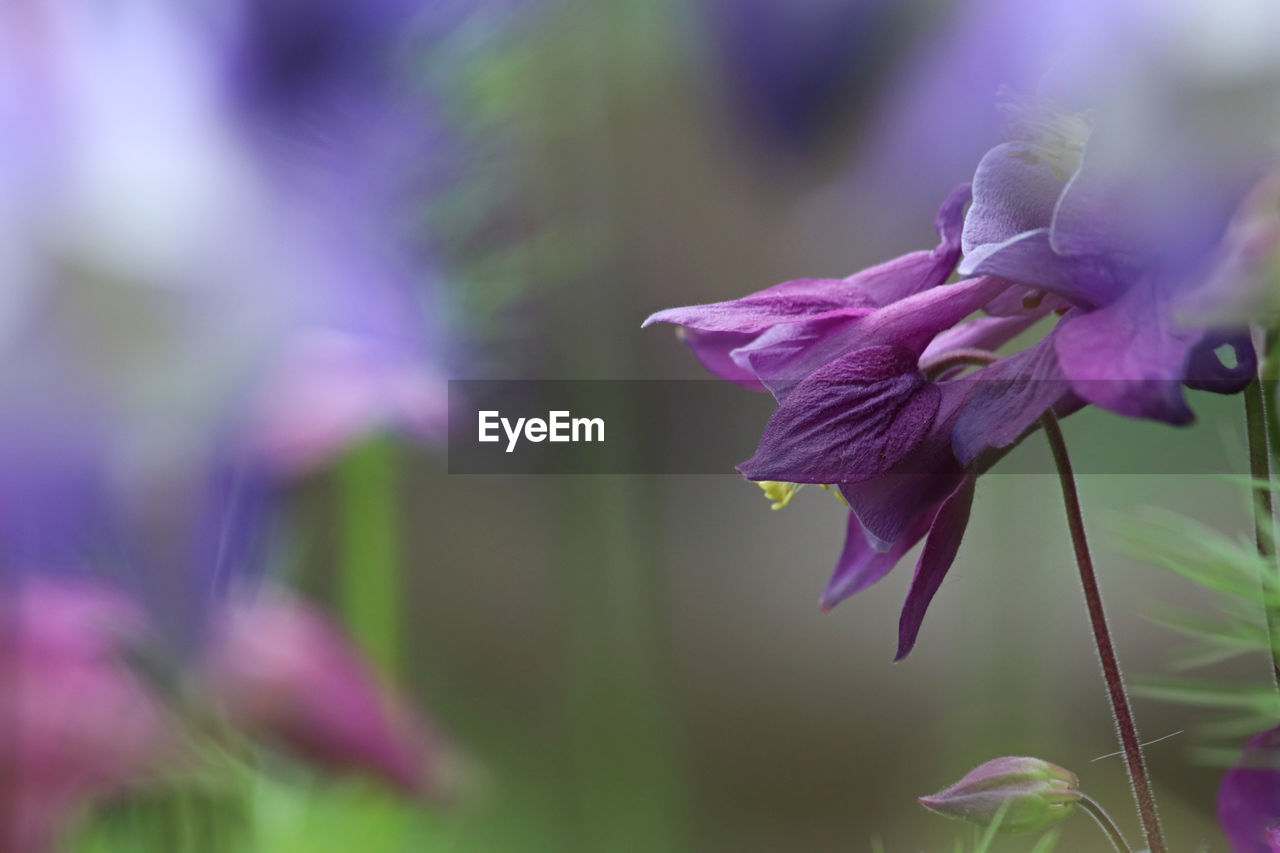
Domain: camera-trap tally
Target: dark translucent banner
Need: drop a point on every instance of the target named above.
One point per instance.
(709, 427)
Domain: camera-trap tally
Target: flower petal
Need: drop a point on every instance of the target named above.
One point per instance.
(1015, 190)
(1007, 398)
(887, 506)
(940, 550)
(789, 302)
(1127, 357)
(1029, 260)
(861, 563)
(715, 351)
(1207, 372)
(854, 418)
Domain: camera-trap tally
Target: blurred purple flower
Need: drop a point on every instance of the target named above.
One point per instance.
(1185, 93)
(1249, 797)
(792, 70)
(207, 294)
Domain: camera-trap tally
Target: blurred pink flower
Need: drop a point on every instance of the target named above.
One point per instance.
(329, 389)
(78, 723)
(282, 671)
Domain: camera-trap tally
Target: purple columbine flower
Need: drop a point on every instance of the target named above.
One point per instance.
(1111, 205)
(1249, 797)
(856, 409)
(869, 401)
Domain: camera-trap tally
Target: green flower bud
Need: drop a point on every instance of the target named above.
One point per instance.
(1034, 794)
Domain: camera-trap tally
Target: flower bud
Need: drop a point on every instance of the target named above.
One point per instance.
(282, 671)
(1034, 794)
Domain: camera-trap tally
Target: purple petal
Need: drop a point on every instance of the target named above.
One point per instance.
(1014, 191)
(854, 418)
(1019, 301)
(1127, 357)
(819, 298)
(912, 273)
(715, 350)
(985, 333)
(789, 302)
(1249, 797)
(1207, 372)
(939, 552)
(861, 563)
(1029, 260)
(785, 355)
(1007, 398)
(888, 505)
(915, 321)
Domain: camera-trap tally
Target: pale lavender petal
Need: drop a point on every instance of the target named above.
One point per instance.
(1029, 260)
(1015, 189)
(940, 549)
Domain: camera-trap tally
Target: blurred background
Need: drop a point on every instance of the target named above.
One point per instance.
(639, 662)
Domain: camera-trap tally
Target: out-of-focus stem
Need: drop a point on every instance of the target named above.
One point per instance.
(369, 572)
(1102, 638)
(1255, 414)
(1099, 814)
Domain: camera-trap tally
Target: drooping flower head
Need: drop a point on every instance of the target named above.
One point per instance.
(1108, 211)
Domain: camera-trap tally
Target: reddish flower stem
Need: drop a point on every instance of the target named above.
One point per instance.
(1102, 637)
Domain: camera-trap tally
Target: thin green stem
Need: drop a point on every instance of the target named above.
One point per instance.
(1099, 814)
(1264, 531)
(1102, 637)
(369, 573)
